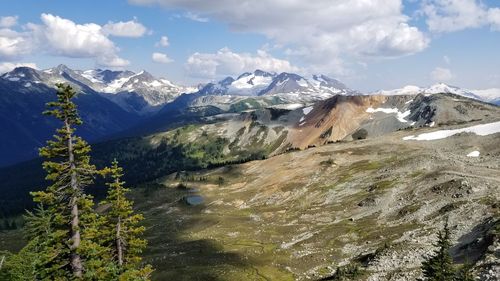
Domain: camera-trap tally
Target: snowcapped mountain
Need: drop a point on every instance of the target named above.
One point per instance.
(24, 93)
(139, 93)
(489, 95)
(261, 83)
(154, 91)
(261, 89)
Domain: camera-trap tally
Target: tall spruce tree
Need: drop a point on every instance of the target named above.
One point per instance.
(123, 229)
(69, 236)
(439, 266)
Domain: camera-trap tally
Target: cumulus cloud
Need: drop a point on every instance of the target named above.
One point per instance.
(161, 58)
(8, 66)
(131, 28)
(494, 18)
(317, 31)
(164, 42)
(226, 62)
(64, 37)
(455, 15)
(440, 74)
(8, 21)
(14, 44)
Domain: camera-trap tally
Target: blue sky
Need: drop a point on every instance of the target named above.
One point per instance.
(369, 45)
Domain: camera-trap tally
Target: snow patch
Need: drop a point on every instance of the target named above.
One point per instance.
(115, 85)
(302, 83)
(400, 115)
(293, 106)
(384, 110)
(480, 130)
(306, 110)
(250, 84)
(153, 84)
(88, 74)
(474, 153)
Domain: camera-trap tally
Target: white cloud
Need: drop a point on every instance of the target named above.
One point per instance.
(8, 66)
(131, 28)
(195, 17)
(164, 42)
(455, 15)
(494, 18)
(63, 37)
(8, 21)
(320, 31)
(225, 62)
(440, 74)
(14, 44)
(161, 58)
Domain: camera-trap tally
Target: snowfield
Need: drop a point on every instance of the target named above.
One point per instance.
(400, 115)
(474, 153)
(480, 130)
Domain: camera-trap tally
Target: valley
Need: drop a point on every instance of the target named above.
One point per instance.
(194, 140)
(295, 185)
(299, 215)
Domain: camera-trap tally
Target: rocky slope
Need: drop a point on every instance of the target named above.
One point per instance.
(381, 175)
(297, 216)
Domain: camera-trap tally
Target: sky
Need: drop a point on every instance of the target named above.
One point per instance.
(367, 44)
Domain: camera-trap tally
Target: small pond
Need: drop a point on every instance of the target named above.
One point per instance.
(193, 200)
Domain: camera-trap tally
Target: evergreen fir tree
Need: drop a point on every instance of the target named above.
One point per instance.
(65, 231)
(123, 229)
(439, 266)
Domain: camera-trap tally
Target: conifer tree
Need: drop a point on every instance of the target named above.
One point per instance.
(72, 236)
(439, 266)
(123, 229)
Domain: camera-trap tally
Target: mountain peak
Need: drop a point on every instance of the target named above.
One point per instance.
(261, 83)
(62, 68)
(227, 81)
(143, 74)
(243, 75)
(259, 72)
(285, 75)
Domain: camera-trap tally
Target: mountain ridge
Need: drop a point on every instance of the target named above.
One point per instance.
(487, 95)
